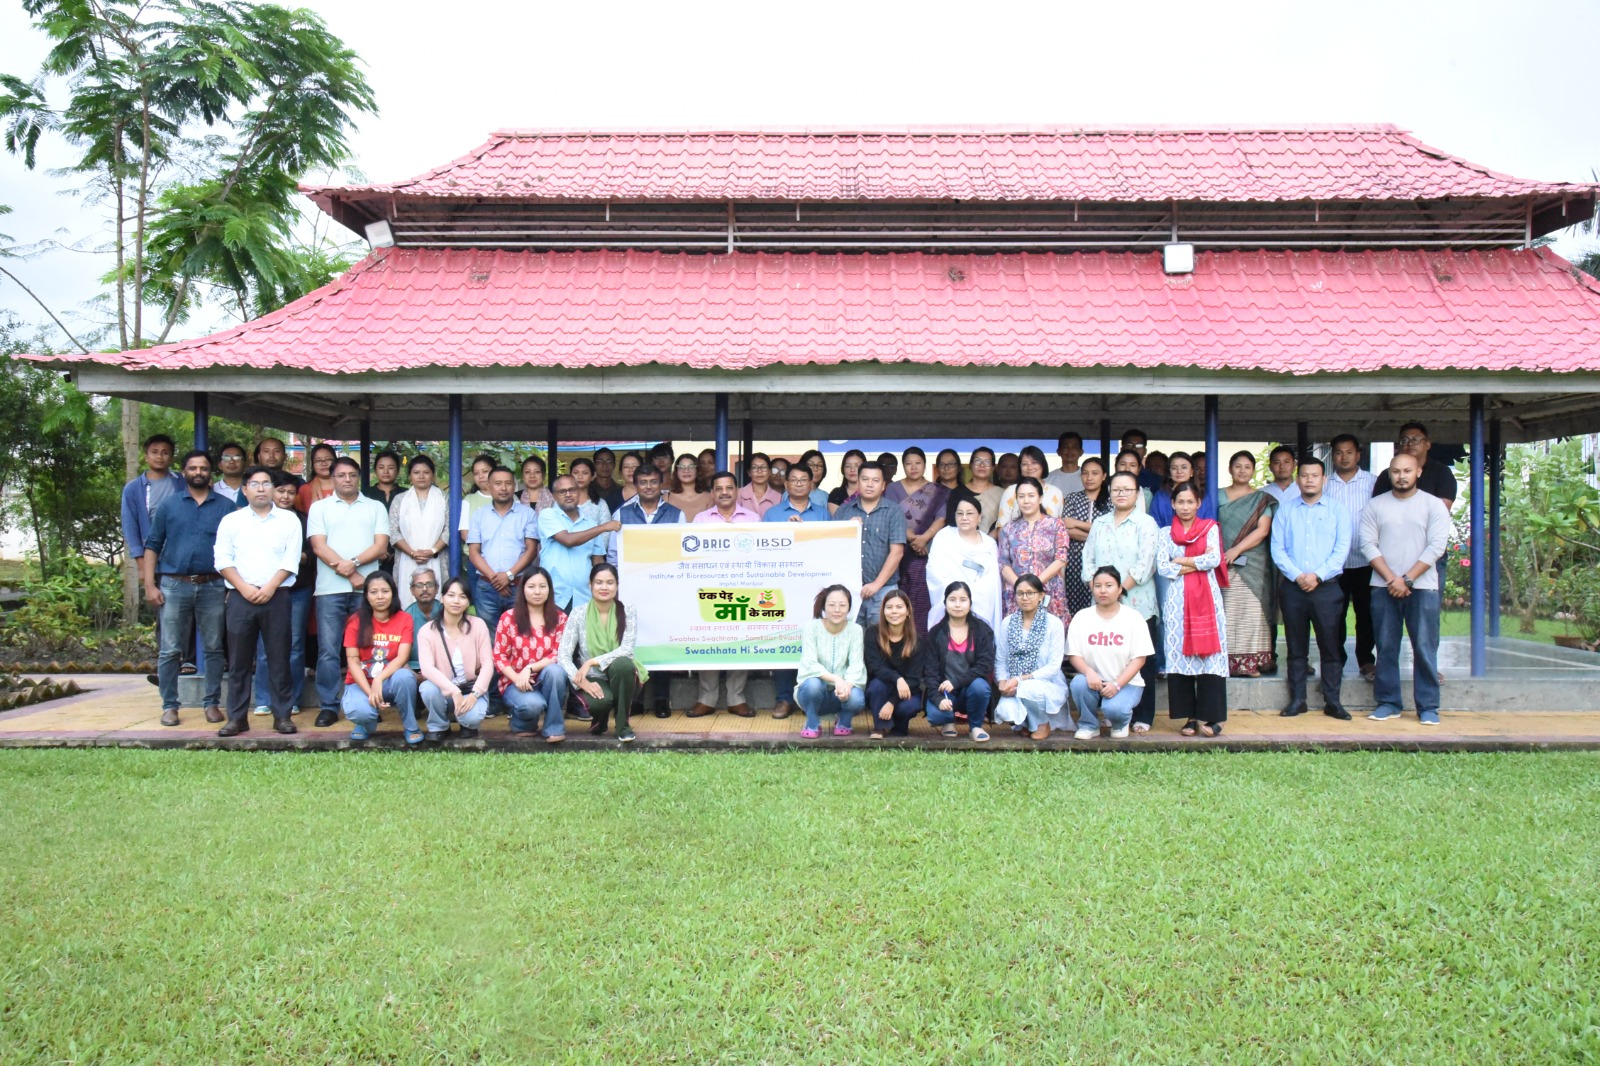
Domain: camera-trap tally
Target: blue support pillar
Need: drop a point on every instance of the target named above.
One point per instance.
(552, 448)
(748, 442)
(1213, 432)
(1497, 473)
(1475, 490)
(366, 452)
(722, 431)
(202, 421)
(456, 482)
(1105, 445)
(1302, 442)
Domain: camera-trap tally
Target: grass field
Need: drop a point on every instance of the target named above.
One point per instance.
(177, 907)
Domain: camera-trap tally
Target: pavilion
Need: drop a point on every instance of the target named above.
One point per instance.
(1292, 283)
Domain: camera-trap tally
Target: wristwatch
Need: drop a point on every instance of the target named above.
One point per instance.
(1408, 582)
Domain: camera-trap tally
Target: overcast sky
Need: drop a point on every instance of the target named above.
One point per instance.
(1506, 85)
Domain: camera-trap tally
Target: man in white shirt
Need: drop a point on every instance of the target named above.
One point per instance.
(1283, 464)
(230, 463)
(1069, 448)
(1351, 486)
(258, 556)
(349, 534)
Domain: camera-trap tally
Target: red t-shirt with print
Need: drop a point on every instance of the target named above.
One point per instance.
(386, 640)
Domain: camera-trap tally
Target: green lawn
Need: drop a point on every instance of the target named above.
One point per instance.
(217, 907)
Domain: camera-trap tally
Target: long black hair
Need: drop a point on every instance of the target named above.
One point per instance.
(364, 608)
(466, 590)
(622, 612)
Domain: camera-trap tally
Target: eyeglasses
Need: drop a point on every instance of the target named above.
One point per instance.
(1122, 490)
(1409, 441)
(258, 484)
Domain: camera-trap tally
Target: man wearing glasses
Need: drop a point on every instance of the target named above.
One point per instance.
(567, 544)
(424, 608)
(258, 555)
(1134, 440)
(230, 462)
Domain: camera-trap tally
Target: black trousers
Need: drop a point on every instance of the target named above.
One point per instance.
(1356, 583)
(1146, 710)
(244, 622)
(1202, 698)
(1321, 609)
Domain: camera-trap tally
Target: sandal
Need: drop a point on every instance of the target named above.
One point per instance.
(1189, 729)
(841, 730)
(810, 734)
(1141, 727)
(1207, 729)
(877, 734)
(414, 737)
(979, 734)
(948, 732)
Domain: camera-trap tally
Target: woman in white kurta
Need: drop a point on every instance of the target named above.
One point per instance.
(1028, 649)
(963, 553)
(417, 521)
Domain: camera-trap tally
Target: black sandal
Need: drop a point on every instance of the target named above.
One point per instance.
(1210, 729)
(1189, 729)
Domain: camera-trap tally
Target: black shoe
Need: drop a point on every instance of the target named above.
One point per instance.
(1337, 712)
(325, 719)
(434, 738)
(232, 730)
(598, 726)
(152, 678)
(467, 733)
(1292, 710)
(285, 727)
(581, 715)
(663, 712)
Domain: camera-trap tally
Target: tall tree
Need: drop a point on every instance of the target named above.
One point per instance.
(275, 95)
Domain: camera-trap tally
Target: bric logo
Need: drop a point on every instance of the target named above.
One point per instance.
(691, 544)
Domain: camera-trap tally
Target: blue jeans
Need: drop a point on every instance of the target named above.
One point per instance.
(1162, 584)
(299, 613)
(333, 611)
(1118, 710)
(489, 604)
(871, 606)
(547, 699)
(903, 710)
(441, 709)
(783, 682)
(972, 701)
(204, 607)
(399, 689)
(1419, 614)
(817, 698)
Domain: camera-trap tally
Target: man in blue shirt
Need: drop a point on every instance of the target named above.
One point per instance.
(140, 498)
(797, 504)
(501, 543)
(1310, 542)
(181, 580)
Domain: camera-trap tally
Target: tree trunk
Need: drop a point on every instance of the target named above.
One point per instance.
(130, 468)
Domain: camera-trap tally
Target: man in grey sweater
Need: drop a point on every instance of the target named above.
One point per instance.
(1403, 533)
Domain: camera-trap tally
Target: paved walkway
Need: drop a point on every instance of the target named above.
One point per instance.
(123, 711)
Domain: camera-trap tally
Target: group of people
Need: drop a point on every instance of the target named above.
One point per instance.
(983, 586)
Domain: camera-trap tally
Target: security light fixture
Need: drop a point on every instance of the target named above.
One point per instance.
(1175, 258)
(379, 235)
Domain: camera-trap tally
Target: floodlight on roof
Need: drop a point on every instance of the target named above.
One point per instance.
(379, 235)
(1175, 258)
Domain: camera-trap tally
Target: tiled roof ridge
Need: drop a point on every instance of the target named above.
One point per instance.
(375, 306)
(940, 130)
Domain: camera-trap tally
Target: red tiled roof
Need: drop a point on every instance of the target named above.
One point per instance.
(1293, 312)
(964, 163)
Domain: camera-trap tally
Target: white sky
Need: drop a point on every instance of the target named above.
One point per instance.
(1505, 85)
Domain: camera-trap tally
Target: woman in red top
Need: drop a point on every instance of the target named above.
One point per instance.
(377, 647)
(526, 645)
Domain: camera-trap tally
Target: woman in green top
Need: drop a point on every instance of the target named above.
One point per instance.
(1248, 603)
(833, 670)
(603, 638)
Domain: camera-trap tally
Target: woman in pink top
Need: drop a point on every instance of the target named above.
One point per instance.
(759, 496)
(457, 665)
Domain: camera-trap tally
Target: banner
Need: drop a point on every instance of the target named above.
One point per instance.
(731, 597)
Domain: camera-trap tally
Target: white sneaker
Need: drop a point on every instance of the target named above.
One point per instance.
(1086, 734)
(263, 709)
(1120, 734)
